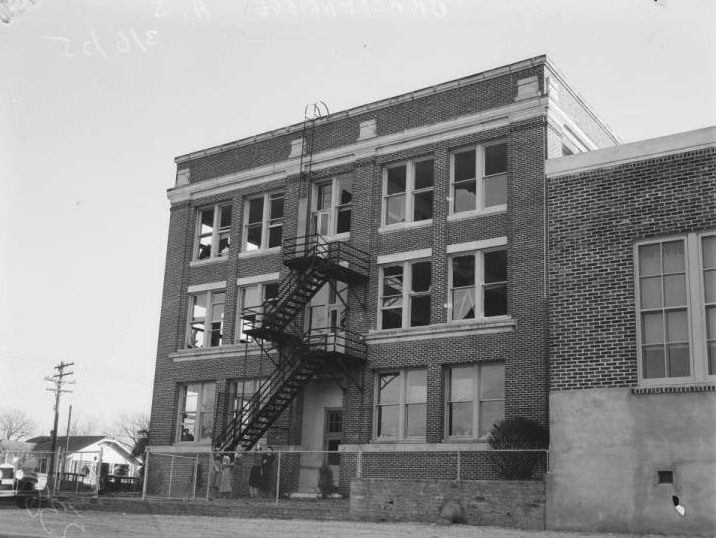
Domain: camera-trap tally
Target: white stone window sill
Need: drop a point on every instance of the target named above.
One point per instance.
(260, 252)
(388, 228)
(218, 352)
(443, 330)
(208, 261)
(478, 213)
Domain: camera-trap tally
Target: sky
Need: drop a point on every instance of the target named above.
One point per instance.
(97, 97)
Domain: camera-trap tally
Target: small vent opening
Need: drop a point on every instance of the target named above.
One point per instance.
(665, 477)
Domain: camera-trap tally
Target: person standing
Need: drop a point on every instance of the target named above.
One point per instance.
(225, 489)
(255, 478)
(267, 476)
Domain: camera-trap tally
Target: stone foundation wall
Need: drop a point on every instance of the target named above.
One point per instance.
(515, 503)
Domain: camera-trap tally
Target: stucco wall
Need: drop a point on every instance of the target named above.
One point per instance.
(607, 446)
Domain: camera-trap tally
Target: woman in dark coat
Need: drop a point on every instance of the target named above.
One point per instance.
(255, 480)
(267, 477)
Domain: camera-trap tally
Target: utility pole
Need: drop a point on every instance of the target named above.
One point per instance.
(59, 381)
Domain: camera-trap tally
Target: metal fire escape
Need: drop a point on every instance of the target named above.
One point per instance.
(303, 355)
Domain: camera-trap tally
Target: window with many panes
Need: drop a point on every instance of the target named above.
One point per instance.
(196, 412)
(676, 299)
(251, 304)
(475, 399)
(263, 222)
(478, 284)
(479, 178)
(408, 192)
(213, 232)
(331, 212)
(206, 319)
(405, 295)
(400, 409)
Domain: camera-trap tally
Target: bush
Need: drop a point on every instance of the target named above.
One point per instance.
(325, 481)
(518, 433)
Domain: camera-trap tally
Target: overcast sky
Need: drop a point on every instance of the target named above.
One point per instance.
(97, 97)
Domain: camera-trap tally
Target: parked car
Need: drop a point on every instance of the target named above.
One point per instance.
(23, 486)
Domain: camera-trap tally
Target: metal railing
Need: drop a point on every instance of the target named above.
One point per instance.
(318, 248)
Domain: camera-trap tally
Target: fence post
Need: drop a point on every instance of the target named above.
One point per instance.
(146, 475)
(458, 464)
(209, 474)
(171, 475)
(278, 477)
(193, 483)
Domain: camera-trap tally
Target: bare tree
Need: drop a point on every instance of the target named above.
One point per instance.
(83, 426)
(133, 428)
(15, 425)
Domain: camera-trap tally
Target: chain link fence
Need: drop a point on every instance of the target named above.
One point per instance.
(295, 474)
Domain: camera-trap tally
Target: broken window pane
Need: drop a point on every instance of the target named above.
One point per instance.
(395, 209)
(465, 196)
(207, 221)
(253, 237)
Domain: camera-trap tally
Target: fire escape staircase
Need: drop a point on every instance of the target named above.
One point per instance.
(302, 355)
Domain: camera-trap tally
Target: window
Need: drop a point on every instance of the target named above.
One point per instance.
(405, 295)
(252, 297)
(478, 285)
(206, 319)
(475, 399)
(401, 404)
(408, 192)
(479, 178)
(331, 213)
(676, 297)
(213, 232)
(241, 392)
(327, 310)
(263, 222)
(196, 411)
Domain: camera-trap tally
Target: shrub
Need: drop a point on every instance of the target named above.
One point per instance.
(325, 481)
(518, 433)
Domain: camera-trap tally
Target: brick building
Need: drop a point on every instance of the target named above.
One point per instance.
(632, 287)
(374, 277)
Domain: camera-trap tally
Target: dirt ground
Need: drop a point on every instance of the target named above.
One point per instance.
(69, 522)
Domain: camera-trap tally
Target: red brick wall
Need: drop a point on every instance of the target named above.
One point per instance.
(595, 218)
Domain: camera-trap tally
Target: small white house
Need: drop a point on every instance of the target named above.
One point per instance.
(88, 455)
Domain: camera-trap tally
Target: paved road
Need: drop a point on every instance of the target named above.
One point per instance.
(68, 522)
